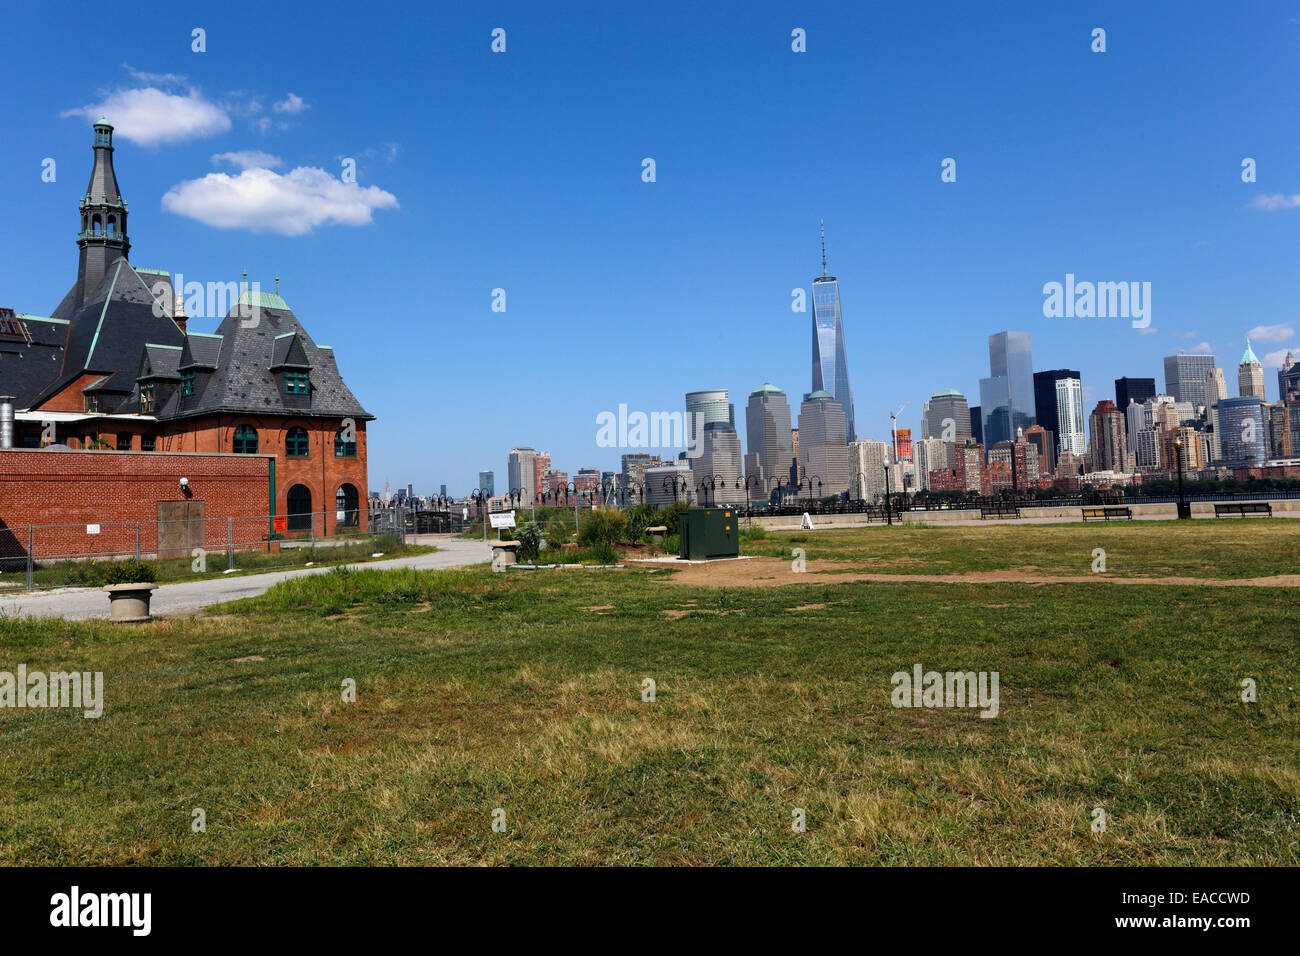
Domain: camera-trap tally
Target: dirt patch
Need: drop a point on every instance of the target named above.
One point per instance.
(678, 613)
(244, 660)
(777, 572)
(807, 607)
(598, 607)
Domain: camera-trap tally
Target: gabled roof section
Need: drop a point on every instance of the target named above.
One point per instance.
(159, 361)
(201, 349)
(250, 346)
(109, 332)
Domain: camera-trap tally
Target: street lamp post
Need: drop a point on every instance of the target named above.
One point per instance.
(889, 515)
(481, 496)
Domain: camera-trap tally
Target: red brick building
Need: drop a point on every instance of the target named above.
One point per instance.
(115, 367)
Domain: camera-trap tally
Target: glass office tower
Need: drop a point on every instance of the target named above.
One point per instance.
(830, 363)
(1007, 395)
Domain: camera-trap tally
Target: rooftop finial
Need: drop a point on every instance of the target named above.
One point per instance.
(823, 222)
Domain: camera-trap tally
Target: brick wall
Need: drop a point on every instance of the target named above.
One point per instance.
(115, 490)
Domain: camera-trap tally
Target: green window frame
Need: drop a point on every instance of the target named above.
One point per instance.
(148, 443)
(296, 443)
(245, 442)
(344, 449)
(187, 383)
(92, 403)
(146, 400)
(295, 383)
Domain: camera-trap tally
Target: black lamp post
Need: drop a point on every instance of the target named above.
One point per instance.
(481, 496)
(1184, 509)
(889, 515)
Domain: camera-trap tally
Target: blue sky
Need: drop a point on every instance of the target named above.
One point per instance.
(522, 171)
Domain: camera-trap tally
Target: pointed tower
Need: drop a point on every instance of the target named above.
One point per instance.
(1250, 375)
(830, 365)
(103, 237)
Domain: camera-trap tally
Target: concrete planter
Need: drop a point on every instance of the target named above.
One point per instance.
(129, 603)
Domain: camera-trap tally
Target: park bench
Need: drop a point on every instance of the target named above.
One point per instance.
(1243, 508)
(1106, 512)
(999, 511)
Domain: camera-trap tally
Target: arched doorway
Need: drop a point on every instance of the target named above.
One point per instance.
(347, 504)
(299, 511)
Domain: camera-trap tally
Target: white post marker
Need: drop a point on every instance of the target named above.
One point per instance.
(806, 522)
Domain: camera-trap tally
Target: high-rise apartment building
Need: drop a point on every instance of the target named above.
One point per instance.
(522, 475)
(1185, 377)
(487, 481)
(768, 437)
(1284, 374)
(716, 471)
(929, 454)
(541, 465)
(867, 471)
(903, 443)
(1007, 395)
(712, 405)
(665, 484)
(823, 449)
(1045, 401)
(830, 364)
(1243, 431)
(1069, 404)
(634, 465)
(1108, 450)
(1045, 442)
(1250, 375)
(948, 418)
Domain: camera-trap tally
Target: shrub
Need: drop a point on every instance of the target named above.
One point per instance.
(604, 553)
(672, 544)
(640, 517)
(603, 526)
(529, 536)
(669, 516)
(129, 572)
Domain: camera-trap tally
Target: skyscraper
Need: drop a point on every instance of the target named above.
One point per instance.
(830, 364)
(1007, 395)
(1109, 449)
(1243, 431)
(521, 474)
(1288, 365)
(823, 452)
(487, 479)
(1132, 389)
(1069, 404)
(716, 472)
(1185, 377)
(767, 435)
(713, 405)
(1046, 412)
(1250, 375)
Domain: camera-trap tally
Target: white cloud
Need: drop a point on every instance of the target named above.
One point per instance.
(293, 103)
(1149, 330)
(1271, 333)
(1203, 347)
(1275, 201)
(155, 79)
(150, 116)
(265, 201)
(1274, 359)
(248, 159)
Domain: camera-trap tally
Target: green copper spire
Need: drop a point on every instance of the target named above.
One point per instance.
(1249, 357)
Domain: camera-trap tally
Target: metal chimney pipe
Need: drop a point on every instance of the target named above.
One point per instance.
(6, 421)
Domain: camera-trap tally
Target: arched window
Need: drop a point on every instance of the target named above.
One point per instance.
(95, 226)
(112, 226)
(299, 516)
(344, 449)
(245, 440)
(295, 443)
(348, 505)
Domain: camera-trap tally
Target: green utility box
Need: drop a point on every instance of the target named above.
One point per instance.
(709, 533)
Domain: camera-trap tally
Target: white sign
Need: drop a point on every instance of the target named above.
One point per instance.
(92, 529)
(502, 519)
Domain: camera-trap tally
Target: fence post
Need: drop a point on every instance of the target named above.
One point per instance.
(137, 541)
(30, 568)
(230, 543)
(313, 534)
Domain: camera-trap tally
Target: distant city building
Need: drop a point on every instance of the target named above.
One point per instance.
(1007, 395)
(823, 449)
(867, 470)
(1018, 461)
(1108, 450)
(1185, 377)
(1045, 442)
(903, 443)
(521, 474)
(1068, 464)
(588, 480)
(541, 465)
(716, 473)
(1046, 412)
(1250, 375)
(713, 405)
(1069, 403)
(1243, 431)
(487, 479)
(634, 467)
(830, 364)
(1191, 454)
(1132, 390)
(948, 418)
(1288, 373)
(929, 454)
(665, 484)
(977, 424)
(769, 439)
(969, 471)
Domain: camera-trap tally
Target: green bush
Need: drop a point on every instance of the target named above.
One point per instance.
(128, 572)
(606, 526)
(603, 553)
(669, 516)
(672, 544)
(756, 533)
(529, 536)
(640, 517)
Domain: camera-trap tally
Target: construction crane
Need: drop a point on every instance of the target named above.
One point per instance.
(893, 429)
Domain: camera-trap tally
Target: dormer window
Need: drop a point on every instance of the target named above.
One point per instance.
(187, 384)
(295, 383)
(146, 400)
(92, 403)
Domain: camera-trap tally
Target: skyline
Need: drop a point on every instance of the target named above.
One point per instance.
(622, 291)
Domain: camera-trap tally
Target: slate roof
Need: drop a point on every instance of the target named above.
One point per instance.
(245, 350)
(27, 367)
(109, 332)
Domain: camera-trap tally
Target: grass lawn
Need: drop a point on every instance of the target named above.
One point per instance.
(478, 691)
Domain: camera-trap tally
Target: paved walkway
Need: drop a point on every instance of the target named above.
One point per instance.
(79, 604)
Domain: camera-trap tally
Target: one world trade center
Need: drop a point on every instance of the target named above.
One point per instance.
(830, 365)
